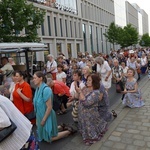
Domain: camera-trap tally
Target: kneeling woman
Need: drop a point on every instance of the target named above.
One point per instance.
(45, 116)
(133, 96)
(91, 125)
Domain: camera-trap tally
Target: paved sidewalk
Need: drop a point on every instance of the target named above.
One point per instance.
(129, 131)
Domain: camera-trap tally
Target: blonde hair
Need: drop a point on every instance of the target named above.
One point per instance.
(87, 68)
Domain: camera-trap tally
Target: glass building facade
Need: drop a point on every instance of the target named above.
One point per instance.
(140, 23)
(68, 32)
(120, 12)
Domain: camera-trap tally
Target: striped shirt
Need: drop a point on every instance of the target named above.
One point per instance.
(19, 137)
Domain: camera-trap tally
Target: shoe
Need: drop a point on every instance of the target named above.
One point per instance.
(63, 126)
(62, 112)
(71, 130)
(114, 114)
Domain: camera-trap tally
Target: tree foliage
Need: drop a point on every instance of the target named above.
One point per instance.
(16, 16)
(112, 34)
(125, 37)
(145, 40)
(128, 36)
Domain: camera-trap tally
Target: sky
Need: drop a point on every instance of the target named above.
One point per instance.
(143, 4)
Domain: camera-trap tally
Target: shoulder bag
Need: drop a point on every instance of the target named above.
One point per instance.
(4, 133)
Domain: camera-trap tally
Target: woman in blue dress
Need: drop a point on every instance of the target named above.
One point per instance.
(133, 96)
(45, 115)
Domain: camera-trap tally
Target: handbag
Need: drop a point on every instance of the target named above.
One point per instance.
(4, 133)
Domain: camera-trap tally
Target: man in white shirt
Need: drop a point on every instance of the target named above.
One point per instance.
(6, 70)
(51, 66)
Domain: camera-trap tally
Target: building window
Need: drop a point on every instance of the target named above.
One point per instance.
(42, 29)
(70, 28)
(55, 26)
(79, 30)
(81, 9)
(78, 47)
(49, 25)
(61, 31)
(75, 29)
(58, 46)
(69, 50)
(106, 43)
(102, 39)
(91, 37)
(66, 28)
(84, 36)
(97, 39)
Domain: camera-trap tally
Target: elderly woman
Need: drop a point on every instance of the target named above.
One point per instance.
(91, 125)
(133, 97)
(51, 66)
(61, 92)
(104, 69)
(117, 72)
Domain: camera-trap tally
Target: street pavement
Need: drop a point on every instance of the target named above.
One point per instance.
(129, 131)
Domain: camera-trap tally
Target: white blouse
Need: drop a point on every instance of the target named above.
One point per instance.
(143, 61)
(60, 76)
(103, 69)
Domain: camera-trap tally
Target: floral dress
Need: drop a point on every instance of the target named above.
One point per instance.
(132, 99)
(91, 125)
(103, 106)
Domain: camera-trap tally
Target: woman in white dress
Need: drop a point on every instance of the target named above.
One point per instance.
(105, 71)
(20, 136)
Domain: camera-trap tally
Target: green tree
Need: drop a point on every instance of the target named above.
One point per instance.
(145, 40)
(112, 34)
(128, 36)
(16, 16)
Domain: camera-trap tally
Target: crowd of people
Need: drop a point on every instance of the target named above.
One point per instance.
(81, 83)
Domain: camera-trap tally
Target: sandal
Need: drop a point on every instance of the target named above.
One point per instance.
(63, 126)
(71, 130)
(114, 114)
(62, 112)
